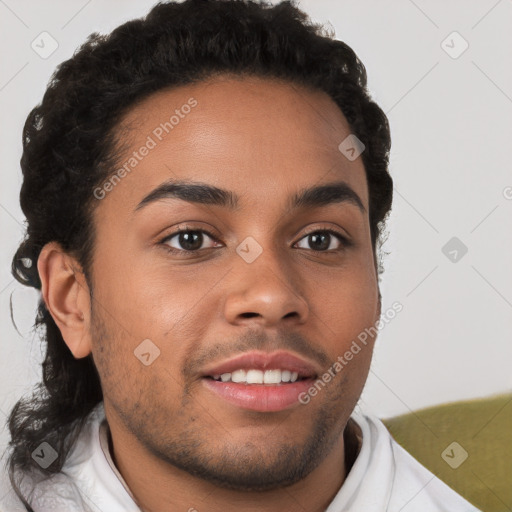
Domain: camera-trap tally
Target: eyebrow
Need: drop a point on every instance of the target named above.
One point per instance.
(204, 193)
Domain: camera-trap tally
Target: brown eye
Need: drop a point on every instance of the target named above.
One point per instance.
(322, 240)
(187, 240)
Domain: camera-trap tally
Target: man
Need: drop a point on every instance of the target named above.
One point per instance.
(205, 190)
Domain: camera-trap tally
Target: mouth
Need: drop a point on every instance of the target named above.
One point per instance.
(261, 382)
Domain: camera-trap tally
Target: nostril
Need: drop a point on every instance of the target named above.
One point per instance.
(249, 315)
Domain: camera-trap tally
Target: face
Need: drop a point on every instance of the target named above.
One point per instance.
(252, 273)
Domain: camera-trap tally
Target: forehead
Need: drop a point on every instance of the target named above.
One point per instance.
(257, 137)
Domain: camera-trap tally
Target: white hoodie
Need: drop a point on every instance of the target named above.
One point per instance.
(384, 478)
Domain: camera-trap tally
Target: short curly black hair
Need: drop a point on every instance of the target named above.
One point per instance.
(69, 148)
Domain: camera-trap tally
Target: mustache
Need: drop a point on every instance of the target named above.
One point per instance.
(255, 339)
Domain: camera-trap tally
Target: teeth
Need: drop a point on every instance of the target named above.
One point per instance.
(239, 376)
(258, 376)
(272, 377)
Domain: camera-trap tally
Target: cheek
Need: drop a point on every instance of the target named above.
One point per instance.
(142, 297)
(347, 307)
(136, 367)
(346, 301)
(147, 303)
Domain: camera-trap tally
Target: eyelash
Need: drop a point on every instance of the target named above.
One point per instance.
(344, 241)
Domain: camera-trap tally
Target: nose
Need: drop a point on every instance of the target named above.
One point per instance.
(265, 292)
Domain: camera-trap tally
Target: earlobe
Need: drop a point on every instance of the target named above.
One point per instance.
(66, 295)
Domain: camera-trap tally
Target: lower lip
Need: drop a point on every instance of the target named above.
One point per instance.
(260, 397)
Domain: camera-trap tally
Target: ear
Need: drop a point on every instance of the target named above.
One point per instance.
(66, 295)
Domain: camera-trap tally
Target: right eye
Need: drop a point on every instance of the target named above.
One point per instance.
(191, 240)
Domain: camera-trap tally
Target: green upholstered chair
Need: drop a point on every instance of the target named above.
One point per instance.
(466, 444)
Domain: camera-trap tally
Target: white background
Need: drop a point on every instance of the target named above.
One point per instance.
(450, 161)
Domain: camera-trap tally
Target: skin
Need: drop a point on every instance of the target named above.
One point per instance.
(178, 445)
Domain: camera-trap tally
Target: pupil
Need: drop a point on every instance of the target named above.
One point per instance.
(325, 239)
(187, 242)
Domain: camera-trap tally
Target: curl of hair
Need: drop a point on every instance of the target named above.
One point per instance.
(70, 147)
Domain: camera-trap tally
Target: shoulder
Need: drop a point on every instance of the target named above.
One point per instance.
(8, 498)
(55, 491)
(413, 487)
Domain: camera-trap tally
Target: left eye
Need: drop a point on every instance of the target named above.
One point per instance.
(322, 240)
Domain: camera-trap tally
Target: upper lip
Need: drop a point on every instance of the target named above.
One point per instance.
(279, 360)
